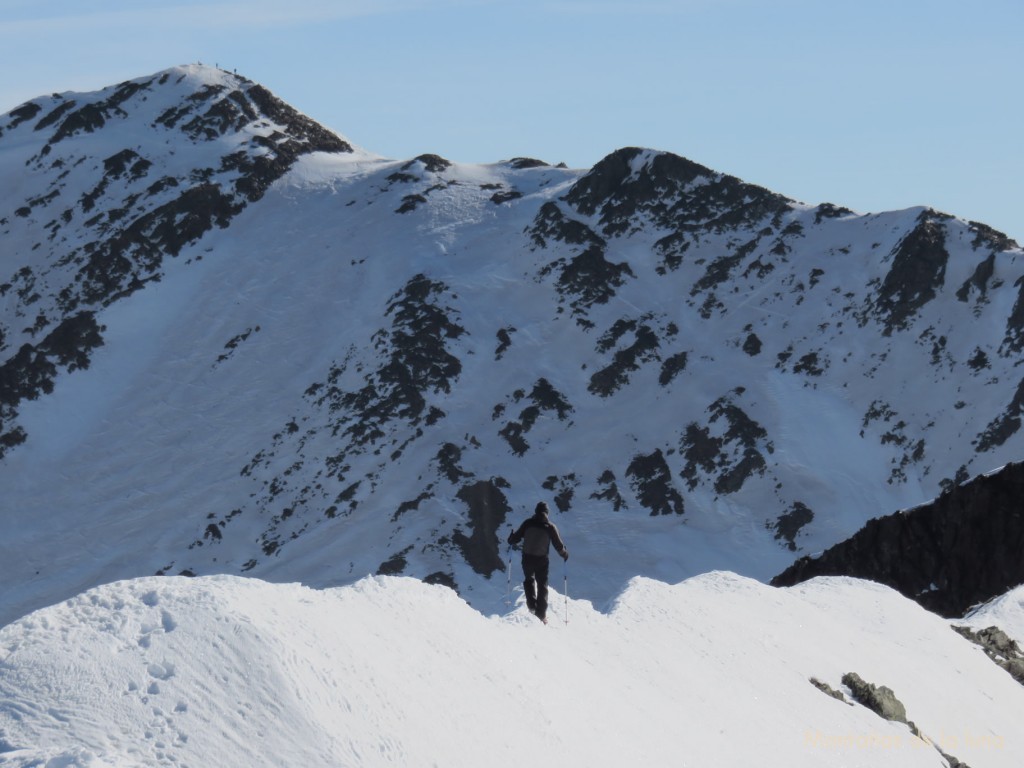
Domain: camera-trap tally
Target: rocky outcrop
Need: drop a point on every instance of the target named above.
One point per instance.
(1005, 425)
(487, 509)
(32, 370)
(543, 398)
(878, 698)
(999, 647)
(677, 194)
(730, 448)
(955, 552)
(881, 700)
(652, 481)
(828, 690)
(788, 525)
(917, 272)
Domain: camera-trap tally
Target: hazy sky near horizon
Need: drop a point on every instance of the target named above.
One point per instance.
(875, 105)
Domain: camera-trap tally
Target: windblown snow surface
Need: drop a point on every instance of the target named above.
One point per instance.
(714, 671)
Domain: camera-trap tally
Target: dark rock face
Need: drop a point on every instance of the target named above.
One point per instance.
(673, 192)
(652, 480)
(23, 113)
(589, 278)
(488, 509)
(990, 238)
(543, 397)
(395, 564)
(1005, 425)
(527, 162)
(1013, 343)
(414, 363)
(978, 283)
(609, 491)
(960, 550)
(633, 188)
(830, 211)
(417, 362)
(918, 271)
(730, 447)
(626, 359)
(551, 223)
(430, 163)
(31, 371)
(789, 523)
(122, 263)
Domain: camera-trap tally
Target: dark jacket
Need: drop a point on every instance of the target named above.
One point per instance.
(538, 533)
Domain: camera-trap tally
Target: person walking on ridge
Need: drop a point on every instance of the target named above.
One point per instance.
(537, 533)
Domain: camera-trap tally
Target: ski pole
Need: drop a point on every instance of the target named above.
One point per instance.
(508, 573)
(565, 588)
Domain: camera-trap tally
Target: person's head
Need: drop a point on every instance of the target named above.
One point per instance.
(541, 510)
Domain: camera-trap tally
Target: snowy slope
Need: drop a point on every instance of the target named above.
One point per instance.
(714, 671)
(233, 343)
(1005, 612)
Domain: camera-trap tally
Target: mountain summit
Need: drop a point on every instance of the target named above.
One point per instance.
(231, 342)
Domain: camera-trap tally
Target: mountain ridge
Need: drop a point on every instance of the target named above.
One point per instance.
(237, 672)
(304, 361)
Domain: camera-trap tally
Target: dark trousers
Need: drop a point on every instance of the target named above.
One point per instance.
(535, 584)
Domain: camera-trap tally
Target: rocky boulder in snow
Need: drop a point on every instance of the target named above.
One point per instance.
(999, 647)
(878, 698)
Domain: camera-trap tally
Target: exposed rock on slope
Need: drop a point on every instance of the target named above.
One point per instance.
(999, 647)
(960, 550)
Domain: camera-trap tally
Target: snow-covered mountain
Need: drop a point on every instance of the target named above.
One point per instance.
(715, 671)
(232, 342)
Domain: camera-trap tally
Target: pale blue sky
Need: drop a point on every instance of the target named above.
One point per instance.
(876, 105)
